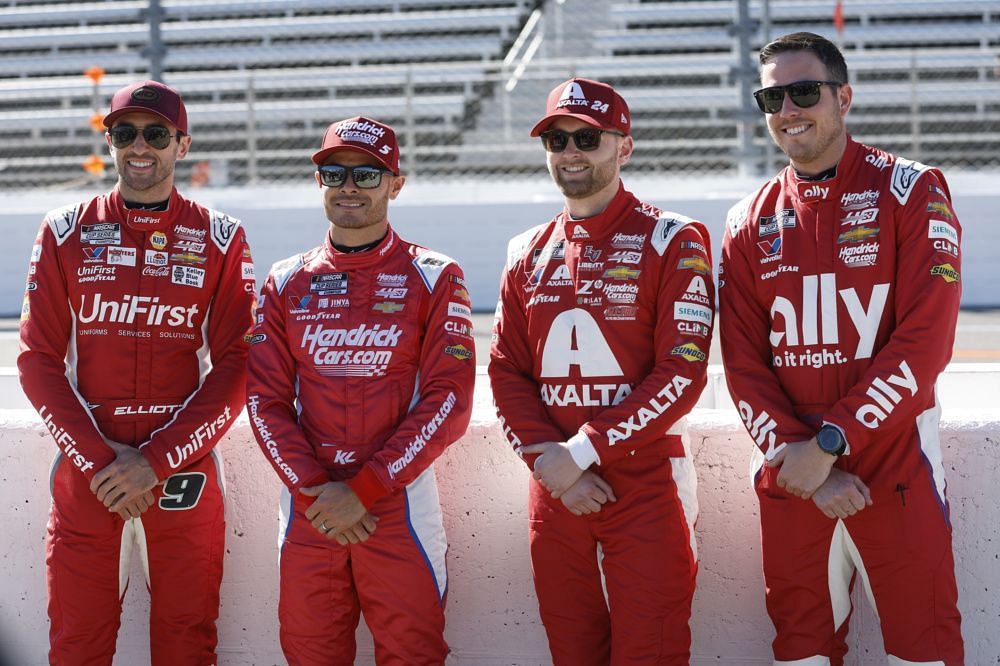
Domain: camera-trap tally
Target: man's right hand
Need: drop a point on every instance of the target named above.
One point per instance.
(357, 533)
(137, 506)
(587, 495)
(841, 495)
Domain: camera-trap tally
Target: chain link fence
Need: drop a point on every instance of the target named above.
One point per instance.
(463, 81)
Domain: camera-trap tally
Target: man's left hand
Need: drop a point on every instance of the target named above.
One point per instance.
(125, 481)
(554, 468)
(336, 508)
(804, 467)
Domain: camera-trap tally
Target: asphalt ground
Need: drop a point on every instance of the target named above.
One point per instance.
(977, 339)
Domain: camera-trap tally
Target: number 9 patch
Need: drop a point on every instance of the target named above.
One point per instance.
(182, 491)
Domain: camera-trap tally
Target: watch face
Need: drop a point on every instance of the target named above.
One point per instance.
(829, 440)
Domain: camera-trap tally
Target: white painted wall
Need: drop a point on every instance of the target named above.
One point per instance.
(492, 613)
(472, 222)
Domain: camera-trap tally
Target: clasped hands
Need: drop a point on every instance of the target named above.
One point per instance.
(807, 472)
(125, 486)
(581, 491)
(337, 513)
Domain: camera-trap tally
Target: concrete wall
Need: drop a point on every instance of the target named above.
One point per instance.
(473, 221)
(492, 612)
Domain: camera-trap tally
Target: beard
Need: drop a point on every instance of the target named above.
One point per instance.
(826, 135)
(601, 175)
(373, 213)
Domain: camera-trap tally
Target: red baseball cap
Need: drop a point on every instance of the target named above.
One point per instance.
(593, 102)
(149, 97)
(362, 135)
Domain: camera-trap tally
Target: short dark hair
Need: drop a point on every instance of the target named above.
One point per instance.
(821, 47)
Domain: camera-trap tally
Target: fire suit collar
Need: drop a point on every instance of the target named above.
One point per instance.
(813, 191)
(145, 220)
(602, 224)
(359, 259)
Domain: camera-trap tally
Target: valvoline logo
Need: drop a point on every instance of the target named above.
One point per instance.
(770, 248)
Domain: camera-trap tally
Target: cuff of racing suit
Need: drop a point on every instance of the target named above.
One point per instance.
(367, 486)
(583, 452)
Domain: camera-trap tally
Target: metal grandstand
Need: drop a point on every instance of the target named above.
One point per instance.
(463, 80)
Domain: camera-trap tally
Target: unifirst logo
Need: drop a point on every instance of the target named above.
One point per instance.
(197, 439)
(65, 440)
(126, 310)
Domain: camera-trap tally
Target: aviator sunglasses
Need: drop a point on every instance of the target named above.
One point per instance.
(155, 136)
(802, 93)
(586, 139)
(364, 176)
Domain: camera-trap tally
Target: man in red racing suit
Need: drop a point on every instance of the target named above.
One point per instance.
(599, 351)
(362, 369)
(132, 352)
(839, 289)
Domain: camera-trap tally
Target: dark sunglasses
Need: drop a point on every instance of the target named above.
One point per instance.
(155, 136)
(802, 93)
(364, 176)
(586, 139)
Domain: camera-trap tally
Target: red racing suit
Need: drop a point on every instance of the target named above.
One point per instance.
(838, 302)
(362, 368)
(601, 340)
(132, 331)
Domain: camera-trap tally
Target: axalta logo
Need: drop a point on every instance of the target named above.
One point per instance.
(584, 395)
(145, 309)
(648, 412)
(819, 315)
(197, 439)
(418, 443)
(572, 95)
(362, 336)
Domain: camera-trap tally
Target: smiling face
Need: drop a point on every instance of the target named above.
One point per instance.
(358, 216)
(145, 174)
(814, 138)
(588, 180)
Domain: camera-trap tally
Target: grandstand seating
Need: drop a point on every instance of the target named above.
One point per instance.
(263, 77)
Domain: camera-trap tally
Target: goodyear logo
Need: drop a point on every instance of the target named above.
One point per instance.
(946, 272)
(696, 264)
(857, 234)
(388, 307)
(621, 273)
(461, 352)
(689, 352)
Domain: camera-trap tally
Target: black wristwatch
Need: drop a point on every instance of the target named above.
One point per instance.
(831, 441)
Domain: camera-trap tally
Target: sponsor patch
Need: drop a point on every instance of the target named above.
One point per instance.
(857, 235)
(579, 232)
(943, 230)
(122, 256)
(946, 272)
(391, 292)
(105, 233)
(628, 241)
(621, 273)
(36, 253)
(330, 284)
(621, 312)
(187, 258)
(391, 279)
(629, 256)
(185, 245)
(771, 224)
(940, 208)
(858, 256)
(93, 255)
(698, 247)
(771, 250)
(459, 310)
(462, 294)
(690, 352)
(256, 338)
(155, 271)
(696, 263)
(388, 307)
(692, 312)
(154, 258)
(859, 216)
(158, 240)
(189, 276)
(189, 233)
(461, 352)
(692, 328)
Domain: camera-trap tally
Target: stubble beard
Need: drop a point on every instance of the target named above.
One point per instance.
(599, 177)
